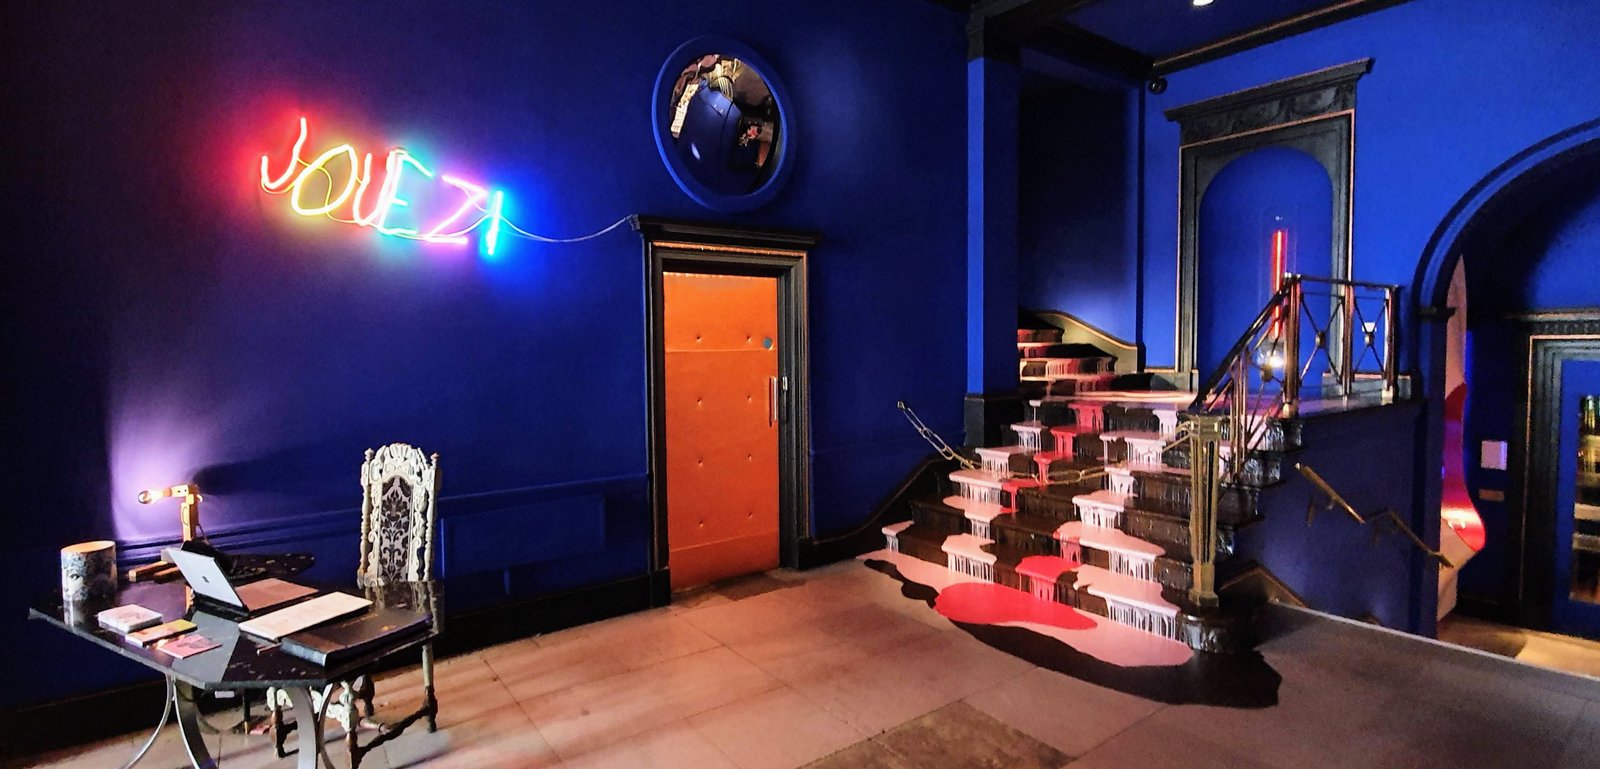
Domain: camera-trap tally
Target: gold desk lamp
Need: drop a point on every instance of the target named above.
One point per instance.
(188, 521)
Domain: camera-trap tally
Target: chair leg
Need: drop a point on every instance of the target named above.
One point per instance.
(427, 687)
(279, 733)
(365, 690)
(349, 719)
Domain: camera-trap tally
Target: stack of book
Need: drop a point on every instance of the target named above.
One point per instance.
(347, 640)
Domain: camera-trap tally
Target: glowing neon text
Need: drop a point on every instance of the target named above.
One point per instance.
(335, 185)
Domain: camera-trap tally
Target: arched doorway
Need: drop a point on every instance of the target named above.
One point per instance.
(1527, 236)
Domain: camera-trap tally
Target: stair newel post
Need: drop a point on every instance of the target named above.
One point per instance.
(1391, 345)
(1347, 340)
(1205, 437)
(1291, 348)
(1238, 408)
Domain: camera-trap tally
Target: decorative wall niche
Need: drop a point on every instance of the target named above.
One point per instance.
(1313, 113)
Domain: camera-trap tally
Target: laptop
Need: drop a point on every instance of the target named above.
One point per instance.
(210, 584)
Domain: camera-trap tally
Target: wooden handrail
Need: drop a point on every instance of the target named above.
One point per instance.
(1335, 500)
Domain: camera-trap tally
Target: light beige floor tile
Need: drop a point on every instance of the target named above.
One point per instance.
(674, 746)
(1070, 715)
(891, 688)
(587, 717)
(774, 730)
(466, 688)
(534, 671)
(799, 652)
(502, 739)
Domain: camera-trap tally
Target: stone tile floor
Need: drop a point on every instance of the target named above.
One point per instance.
(833, 668)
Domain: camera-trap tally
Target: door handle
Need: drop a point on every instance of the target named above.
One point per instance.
(772, 401)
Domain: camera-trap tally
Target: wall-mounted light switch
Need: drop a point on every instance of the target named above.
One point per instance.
(1494, 455)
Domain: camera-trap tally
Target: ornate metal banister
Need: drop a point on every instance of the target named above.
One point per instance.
(1263, 375)
(1336, 501)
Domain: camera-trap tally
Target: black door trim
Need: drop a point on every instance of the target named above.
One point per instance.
(724, 250)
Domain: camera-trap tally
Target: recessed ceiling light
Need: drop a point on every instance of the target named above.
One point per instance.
(1201, 3)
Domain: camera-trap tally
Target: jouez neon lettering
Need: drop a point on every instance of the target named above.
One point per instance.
(270, 183)
(496, 215)
(349, 202)
(475, 196)
(321, 165)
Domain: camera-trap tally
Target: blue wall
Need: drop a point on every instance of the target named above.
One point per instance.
(1457, 87)
(1078, 225)
(165, 320)
(1335, 564)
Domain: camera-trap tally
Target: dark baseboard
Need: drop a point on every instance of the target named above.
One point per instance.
(922, 481)
(135, 708)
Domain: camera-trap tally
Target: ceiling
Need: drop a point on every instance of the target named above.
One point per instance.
(1161, 28)
(1147, 38)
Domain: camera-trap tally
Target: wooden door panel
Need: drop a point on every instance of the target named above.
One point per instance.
(722, 450)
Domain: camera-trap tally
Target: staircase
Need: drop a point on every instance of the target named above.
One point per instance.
(1114, 544)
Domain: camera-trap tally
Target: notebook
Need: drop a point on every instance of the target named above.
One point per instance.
(323, 608)
(128, 618)
(340, 641)
(152, 634)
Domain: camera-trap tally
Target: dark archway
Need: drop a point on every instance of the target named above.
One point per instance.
(1481, 227)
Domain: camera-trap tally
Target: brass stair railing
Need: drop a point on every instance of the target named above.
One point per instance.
(1387, 517)
(1263, 376)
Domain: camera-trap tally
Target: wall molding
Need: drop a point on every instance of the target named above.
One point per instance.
(1270, 33)
(260, 533)
(1314, 94)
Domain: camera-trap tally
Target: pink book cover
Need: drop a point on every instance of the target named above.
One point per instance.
(187, 645)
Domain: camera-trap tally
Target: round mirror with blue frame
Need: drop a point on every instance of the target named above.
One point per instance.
(722, 124)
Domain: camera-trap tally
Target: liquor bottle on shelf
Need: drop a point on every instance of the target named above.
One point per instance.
(1589, 450)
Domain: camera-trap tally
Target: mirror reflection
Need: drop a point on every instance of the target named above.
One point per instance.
(725, 124)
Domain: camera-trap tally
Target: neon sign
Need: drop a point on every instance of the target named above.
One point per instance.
(335, 185)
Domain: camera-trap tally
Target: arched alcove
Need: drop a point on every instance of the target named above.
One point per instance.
(1314, 114)
(1529, 241)
(1263, 214)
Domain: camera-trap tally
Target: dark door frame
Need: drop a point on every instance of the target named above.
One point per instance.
(1551, 339)
(712, 249)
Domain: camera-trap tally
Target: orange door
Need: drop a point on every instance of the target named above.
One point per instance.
(721, 334)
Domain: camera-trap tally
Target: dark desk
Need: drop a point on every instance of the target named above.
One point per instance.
(242, 662)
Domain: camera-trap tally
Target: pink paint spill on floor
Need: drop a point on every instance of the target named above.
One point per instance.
(1103, 639)
(990, 604)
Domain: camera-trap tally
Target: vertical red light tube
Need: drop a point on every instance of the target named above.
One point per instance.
(1280, 252)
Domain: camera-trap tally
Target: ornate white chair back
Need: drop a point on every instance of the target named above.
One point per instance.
(398, 490)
